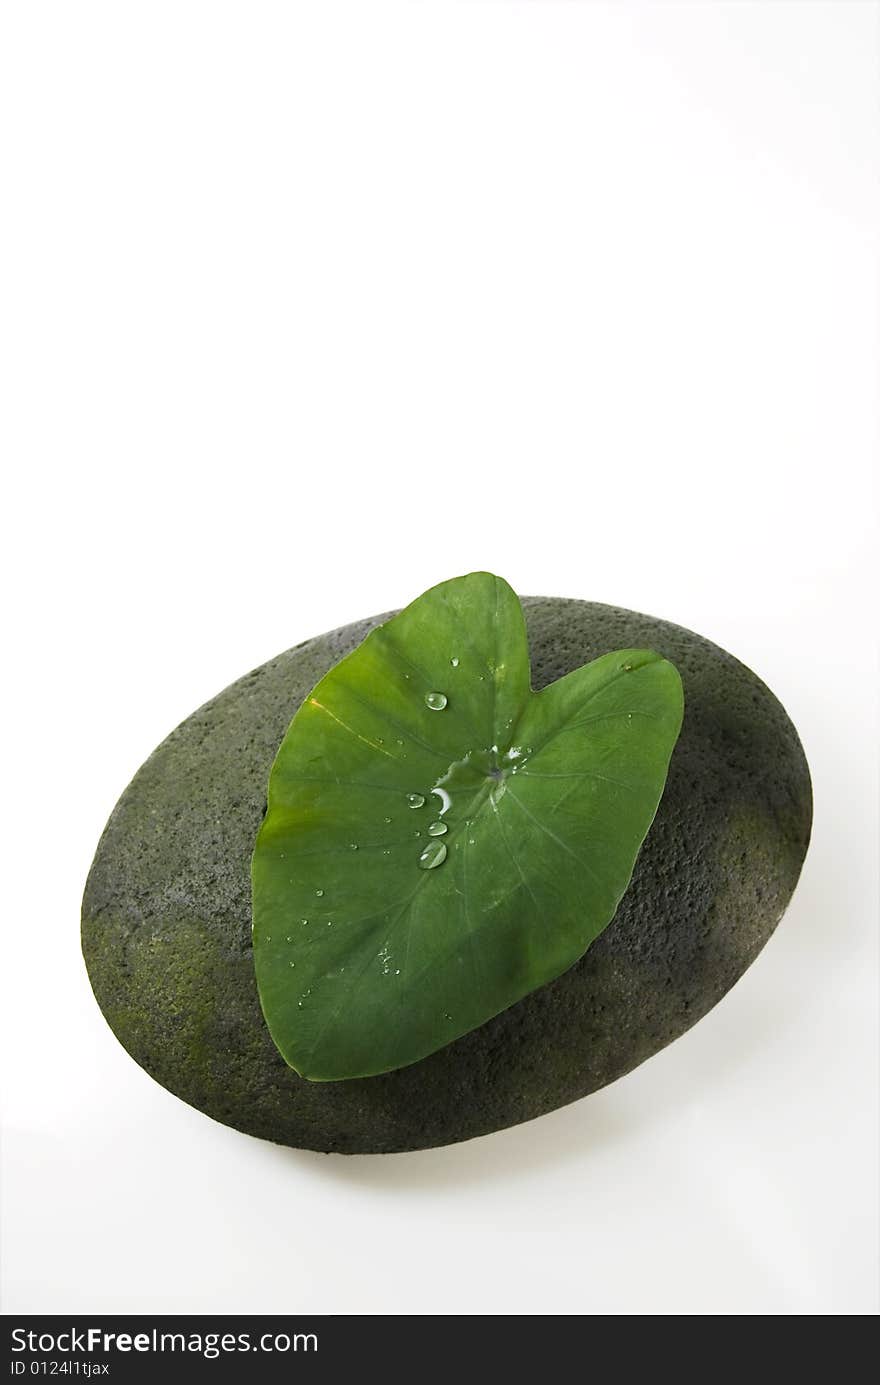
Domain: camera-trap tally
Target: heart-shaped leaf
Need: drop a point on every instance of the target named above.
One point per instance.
(440, 840)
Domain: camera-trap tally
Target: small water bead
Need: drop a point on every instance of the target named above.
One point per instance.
(293, 964)
(433, 855)
(353, 845)
(436, 701)
(454, 662)
(388, 819)
(437, 829)
(416, 800)
(319, 893)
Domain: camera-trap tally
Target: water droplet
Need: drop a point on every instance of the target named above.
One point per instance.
(399, 741)
(397, 971)
(353, 845)
(299, 1005)
(288, 939)
(388, 819)
(444, 798)
(436, 701)
(437, 829)
(416, 800)
(319, 893)
(627, 668)
(305, 921)
(329, 923)
(454, 662)
(433, 855)
(471, 841)
(293, 964)
(379, 740)
(386, 851)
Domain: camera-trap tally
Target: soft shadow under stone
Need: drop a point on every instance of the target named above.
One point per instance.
(167, 925)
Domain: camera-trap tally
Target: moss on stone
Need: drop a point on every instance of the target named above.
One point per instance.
(166, 914)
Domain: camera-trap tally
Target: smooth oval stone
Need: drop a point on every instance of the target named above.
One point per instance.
(167, 920)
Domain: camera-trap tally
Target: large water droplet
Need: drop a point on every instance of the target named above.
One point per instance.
(433, 855)
(454, 662)
(436, 701)
(437, 829)
(353, 845)
(319, 893)
(416, 800)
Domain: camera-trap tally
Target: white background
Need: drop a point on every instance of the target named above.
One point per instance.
(307, 307)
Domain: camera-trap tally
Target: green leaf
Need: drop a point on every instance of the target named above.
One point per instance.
(440, 840)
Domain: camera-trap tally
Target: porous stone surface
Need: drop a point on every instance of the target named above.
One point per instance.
(166, 925)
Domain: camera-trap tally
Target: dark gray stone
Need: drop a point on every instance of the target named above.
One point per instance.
(166, 915)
